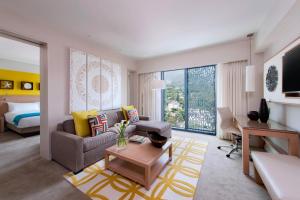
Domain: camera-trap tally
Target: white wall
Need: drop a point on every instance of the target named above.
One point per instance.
(286, 31)
(231, 51)
(18, 66)
(278, 12)
(283, 34)
(287, 115)
(55, 75)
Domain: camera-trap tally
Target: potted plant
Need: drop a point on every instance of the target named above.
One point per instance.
(122, 139)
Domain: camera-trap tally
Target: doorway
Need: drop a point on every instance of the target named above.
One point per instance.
(20, 65)
(189, 99)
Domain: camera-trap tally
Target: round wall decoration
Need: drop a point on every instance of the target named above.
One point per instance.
(272, 78)
(27, 86)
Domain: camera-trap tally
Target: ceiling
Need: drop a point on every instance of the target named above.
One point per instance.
(16, 51)
(143, 28)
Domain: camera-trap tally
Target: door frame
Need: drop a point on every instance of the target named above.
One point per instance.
(45, 151)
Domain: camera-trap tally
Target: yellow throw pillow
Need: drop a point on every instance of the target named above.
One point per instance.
(125, 110)
(81, 122)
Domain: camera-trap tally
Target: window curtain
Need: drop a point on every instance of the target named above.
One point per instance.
(149, 100)
(231, 91)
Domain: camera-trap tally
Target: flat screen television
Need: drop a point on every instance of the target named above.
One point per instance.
(291, 71)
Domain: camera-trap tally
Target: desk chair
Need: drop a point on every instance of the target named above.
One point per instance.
(227, 126)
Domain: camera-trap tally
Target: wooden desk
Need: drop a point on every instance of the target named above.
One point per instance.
(270, 129)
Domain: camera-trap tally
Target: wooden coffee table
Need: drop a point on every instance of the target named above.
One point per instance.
(141, 163)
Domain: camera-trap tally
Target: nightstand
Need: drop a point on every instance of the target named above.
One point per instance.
(1, 124)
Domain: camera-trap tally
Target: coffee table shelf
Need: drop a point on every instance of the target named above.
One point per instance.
(128, 170)
(158, 167)
(145, 167)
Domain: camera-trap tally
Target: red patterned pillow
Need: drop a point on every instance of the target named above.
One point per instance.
(133, 115)
(98, 124)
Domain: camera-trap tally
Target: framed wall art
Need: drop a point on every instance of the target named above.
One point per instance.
(7, 84)
(94, 83)
(26, 85)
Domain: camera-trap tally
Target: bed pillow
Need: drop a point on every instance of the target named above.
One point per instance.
(81, 122)
(98, 124)
(133, 115)
(23, 107)
(125, 110)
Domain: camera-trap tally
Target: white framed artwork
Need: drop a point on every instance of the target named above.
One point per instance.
(94, 83)
(116, 83)
(106, 85)
(77, 80)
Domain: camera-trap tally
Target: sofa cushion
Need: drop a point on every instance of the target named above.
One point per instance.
(133, 116)
(120, 115)
(90, 143)
(69, 126)
(280, 174)
(98, 124)
(128, 132)
(156, 126)
(125, 110)
(81, 122)
(112, 117)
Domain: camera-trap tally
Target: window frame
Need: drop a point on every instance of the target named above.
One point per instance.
(186, 100)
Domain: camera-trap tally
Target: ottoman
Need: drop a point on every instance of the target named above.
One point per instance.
(163, 128)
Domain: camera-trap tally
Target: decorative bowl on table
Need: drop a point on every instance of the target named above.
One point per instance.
(253, 115)
(156, 139)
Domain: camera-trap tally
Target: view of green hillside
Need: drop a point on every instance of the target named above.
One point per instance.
(174, 98)
(201, 107)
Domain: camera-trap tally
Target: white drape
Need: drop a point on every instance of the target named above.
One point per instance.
(149, 100)
(231, 90)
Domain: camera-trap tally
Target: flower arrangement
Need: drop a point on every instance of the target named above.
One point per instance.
(122, 139)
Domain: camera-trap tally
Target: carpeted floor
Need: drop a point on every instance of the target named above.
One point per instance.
(178, 180)
(222, 178)
(24, 175)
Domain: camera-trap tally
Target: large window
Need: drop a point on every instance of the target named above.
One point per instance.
(189, 99)
(174, 101)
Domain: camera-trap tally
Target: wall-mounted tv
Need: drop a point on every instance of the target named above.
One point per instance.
(291, 71)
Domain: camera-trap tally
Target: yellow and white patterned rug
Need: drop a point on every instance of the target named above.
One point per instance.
(177, 181)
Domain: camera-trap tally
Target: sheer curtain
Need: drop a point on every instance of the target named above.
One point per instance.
(149, 100)
(231, 91)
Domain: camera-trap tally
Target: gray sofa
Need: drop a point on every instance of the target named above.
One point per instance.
(75, 152)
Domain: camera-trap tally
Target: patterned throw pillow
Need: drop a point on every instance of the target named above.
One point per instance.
(98, 124)
(125, 110)
(133, 115)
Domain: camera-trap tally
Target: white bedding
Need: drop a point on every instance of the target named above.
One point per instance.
(23, 107)
(25, 122)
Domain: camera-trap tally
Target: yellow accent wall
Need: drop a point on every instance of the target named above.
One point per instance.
(17, 77)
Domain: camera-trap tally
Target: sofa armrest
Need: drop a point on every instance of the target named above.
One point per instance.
(67, 149)
(145, 118)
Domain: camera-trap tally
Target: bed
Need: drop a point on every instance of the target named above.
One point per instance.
(21, 114)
